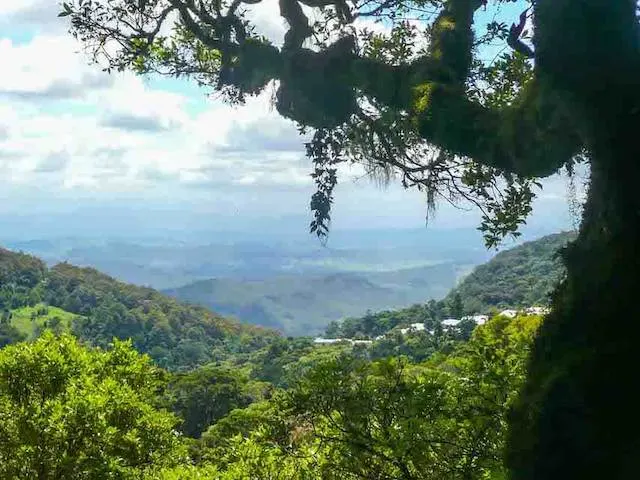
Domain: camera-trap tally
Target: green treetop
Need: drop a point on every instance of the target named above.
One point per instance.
(70, 412)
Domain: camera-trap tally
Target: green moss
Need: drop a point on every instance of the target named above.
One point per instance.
(422, 94)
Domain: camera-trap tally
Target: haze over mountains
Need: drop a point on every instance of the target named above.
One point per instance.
(281, 278)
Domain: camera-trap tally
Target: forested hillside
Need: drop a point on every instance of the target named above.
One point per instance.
(217, 399)
(294, 411)
(305, 304)
(519, 277)
(97, 308)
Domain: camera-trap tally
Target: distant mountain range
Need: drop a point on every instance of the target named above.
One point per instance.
(305, 304)
(166, 263)
(298, 286)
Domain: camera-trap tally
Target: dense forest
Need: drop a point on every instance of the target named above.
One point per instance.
(186, 394)
(72, 411)
(470, 102)
(96, 308)
(516, 278)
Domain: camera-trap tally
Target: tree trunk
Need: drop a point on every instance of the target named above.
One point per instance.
(577, 416)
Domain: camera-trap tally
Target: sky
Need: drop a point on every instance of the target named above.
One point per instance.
(88, 147)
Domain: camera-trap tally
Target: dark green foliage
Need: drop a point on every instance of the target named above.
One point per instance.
(205, 395)
(175, 335)
(521, 277)
(9, 334)
(578, 95)
(280, 363)
(20, 269)
(416, 346)
(343, 416)
(242, 422)
(19, 275)
(349, 418)
(375, 324)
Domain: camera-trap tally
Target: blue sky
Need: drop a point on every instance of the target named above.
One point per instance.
(74, 137)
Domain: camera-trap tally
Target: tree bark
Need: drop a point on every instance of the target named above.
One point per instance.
(577, 416)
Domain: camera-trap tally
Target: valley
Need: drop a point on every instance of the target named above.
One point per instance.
(289, 282)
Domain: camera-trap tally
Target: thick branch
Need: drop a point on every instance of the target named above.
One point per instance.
(194, 27)
(532, 137)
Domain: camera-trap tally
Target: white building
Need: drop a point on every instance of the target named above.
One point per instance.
(509, 313)
(414, 327)
(477, 319)
(450, 322)
(538, 310)
(329, 341)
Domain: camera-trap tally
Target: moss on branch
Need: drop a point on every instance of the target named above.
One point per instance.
(533, 136)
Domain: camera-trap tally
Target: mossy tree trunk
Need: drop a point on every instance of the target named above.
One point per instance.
(577, 418)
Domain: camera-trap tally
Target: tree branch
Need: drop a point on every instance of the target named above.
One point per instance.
(532, 136)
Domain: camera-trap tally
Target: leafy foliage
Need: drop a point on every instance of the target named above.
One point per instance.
(69, 412)
(374, 324)
(10, 334)
(581, 96)
(291, 410)
(207, 394)
(516, 278)
(19, 274)
(98, 308)
(519, 277)
(351, 418)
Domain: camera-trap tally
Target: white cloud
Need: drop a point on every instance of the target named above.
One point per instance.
(131, 106)
(52, 163)
(29, 19)
(48, 67)
(66, 126)
(266, 17)
(114, 132)
(23, 9)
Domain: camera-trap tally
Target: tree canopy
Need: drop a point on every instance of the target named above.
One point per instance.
(69, 412)
(350, 418)
(97, 308)
(520, 277)
(429, 100)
